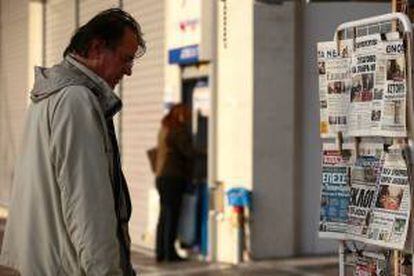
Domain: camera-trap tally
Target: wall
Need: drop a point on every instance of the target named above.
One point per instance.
(142, 97)
(234, 120)
(89, 8)
(14, 79)
(272, 230)
(35, 38)
(235, 95)
(60, 20)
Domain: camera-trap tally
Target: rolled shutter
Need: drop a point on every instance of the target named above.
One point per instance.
(142, 97)
(13, 86)
(60, 24)
(89, 8)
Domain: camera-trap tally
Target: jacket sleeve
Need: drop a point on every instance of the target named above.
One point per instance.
(82, 171)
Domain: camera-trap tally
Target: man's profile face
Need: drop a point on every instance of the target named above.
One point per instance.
(115, 63)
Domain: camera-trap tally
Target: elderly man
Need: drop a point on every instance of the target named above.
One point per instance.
(70, 203)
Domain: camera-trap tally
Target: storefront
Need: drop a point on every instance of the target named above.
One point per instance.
(247, 70)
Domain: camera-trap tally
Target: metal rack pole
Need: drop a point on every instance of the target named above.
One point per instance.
(406, 23)
(341, 250)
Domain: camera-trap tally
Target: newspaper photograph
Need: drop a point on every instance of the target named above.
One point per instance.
(364, 177)
(391, 212)
(370, 263)
(334, 59)
(378, 90)
(389, 108)
(334, 192)
(364, 80)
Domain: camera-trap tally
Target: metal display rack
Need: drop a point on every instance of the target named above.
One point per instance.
(404, 25)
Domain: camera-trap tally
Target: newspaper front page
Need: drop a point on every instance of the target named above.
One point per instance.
(335, 192)
(364, 80)
(364, 176)
(334, 60)
(391, 211)
(370, 263)
(389, 105)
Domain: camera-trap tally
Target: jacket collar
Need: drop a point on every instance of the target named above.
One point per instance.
(109, 101)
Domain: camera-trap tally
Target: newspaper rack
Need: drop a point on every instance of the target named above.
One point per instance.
(406, 30)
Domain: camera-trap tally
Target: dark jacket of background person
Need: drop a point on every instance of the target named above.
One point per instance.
(174, 152)
(70, 204)
(173, 173)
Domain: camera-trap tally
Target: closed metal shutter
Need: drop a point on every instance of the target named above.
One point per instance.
(13, 86)
(142, 97)
(89, 8)
(60, 25)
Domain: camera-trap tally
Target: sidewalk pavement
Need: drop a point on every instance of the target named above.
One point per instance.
(146, 265)
(311, 266)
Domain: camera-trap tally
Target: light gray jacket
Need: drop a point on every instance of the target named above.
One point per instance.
(62, 219)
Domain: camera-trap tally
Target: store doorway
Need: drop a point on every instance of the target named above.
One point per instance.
(196, 95)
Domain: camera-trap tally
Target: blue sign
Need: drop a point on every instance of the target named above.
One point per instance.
(184, 55)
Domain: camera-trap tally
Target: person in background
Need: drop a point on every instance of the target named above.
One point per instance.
(173, 172)
(70, 204)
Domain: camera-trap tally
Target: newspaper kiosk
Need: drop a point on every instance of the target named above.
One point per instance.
(367, 130)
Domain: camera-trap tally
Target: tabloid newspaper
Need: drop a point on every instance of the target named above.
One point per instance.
(391, 211)
(364, 176)
(362, 87)
(370, 264)
(334, 192)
